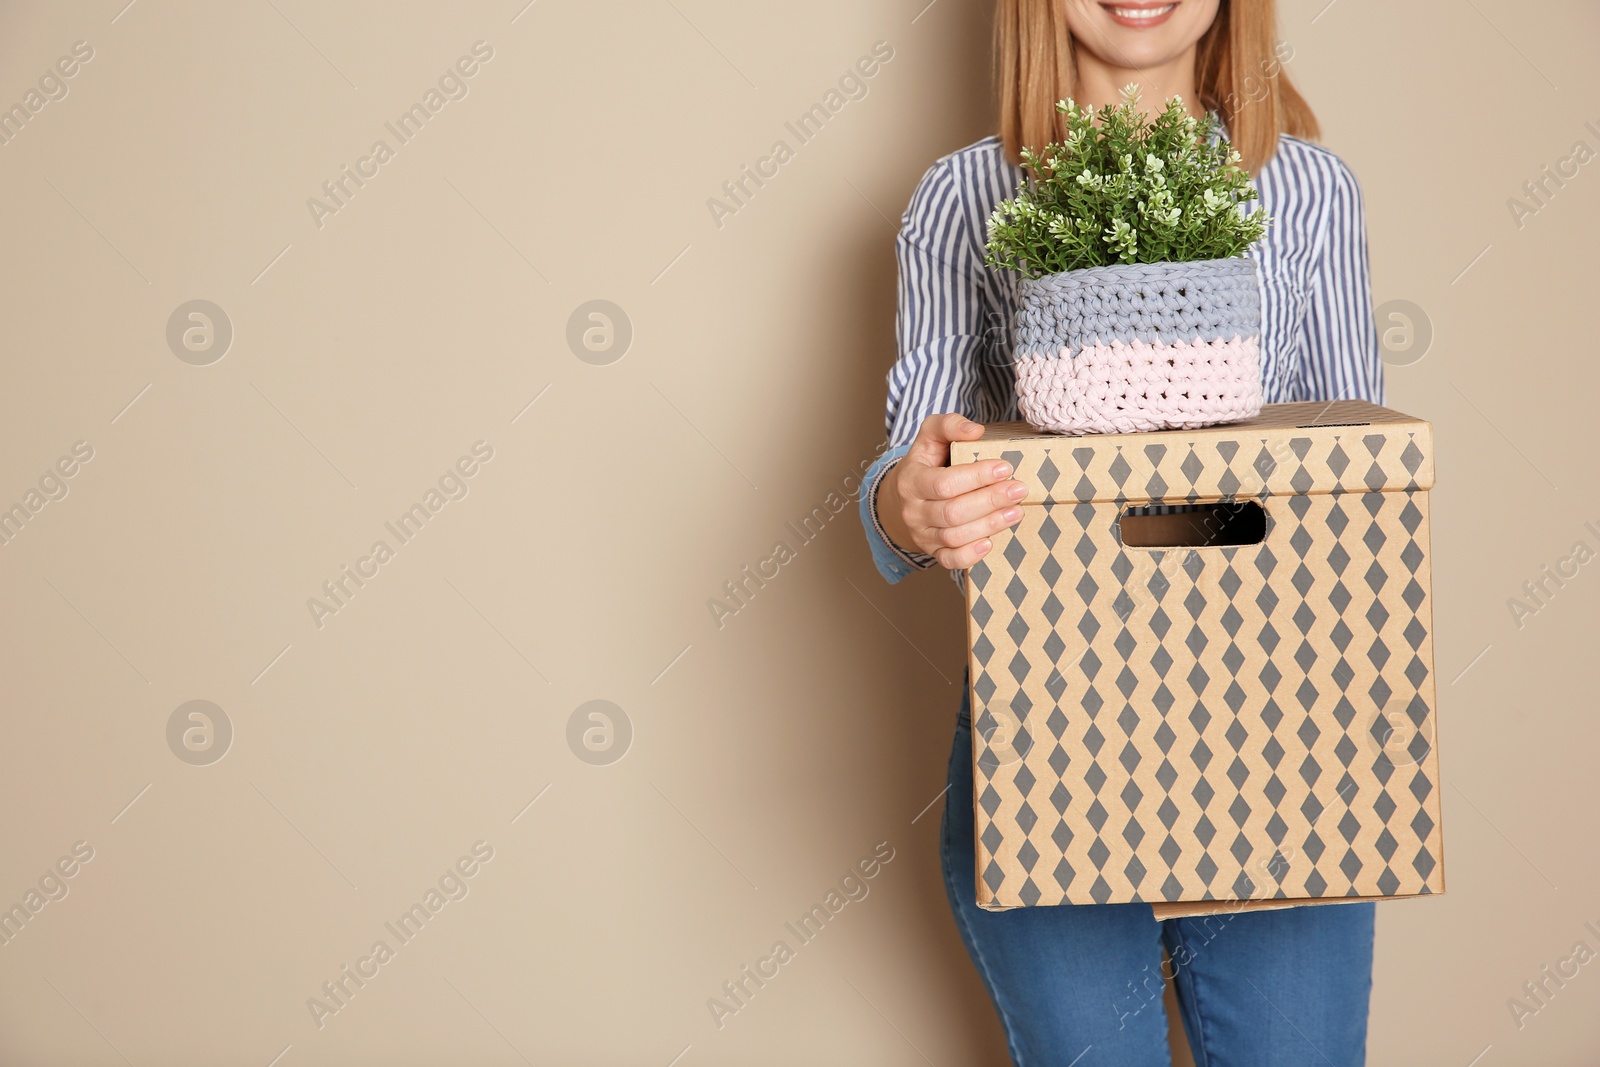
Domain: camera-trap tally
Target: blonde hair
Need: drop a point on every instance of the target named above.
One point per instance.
(1238, 73)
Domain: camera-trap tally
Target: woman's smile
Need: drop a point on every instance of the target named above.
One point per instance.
(1140, 16)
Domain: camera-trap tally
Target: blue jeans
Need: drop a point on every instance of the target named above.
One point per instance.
(1081, 985)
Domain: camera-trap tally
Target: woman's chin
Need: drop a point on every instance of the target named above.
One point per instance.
(1134, 50)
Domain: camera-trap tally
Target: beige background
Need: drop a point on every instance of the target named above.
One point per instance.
(768, 755)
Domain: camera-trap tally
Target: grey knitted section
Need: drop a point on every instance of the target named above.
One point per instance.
(1170, 303)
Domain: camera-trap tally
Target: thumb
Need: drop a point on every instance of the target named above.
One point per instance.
(932, 445)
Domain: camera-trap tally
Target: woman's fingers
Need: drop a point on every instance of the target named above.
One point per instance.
(958, 559)
(990, 523)
(969, 507)
(947, 483)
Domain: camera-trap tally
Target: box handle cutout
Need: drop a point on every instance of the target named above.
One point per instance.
(1220, 524)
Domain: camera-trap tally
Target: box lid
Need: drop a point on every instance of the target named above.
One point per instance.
(1347, 446)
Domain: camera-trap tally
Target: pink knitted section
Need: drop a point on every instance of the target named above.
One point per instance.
(1130, 387)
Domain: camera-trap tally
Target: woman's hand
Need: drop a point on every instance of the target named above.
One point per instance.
(948, 512)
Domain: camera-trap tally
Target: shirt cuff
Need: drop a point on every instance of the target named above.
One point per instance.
(893, 562)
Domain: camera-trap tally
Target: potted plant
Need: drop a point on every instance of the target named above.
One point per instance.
(1139, 303)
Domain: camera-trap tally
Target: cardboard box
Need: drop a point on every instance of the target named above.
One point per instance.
(1164, 711)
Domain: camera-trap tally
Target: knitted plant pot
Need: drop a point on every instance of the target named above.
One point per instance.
(1140, 346)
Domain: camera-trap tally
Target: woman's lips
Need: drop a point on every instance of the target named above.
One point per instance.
(1139, 16)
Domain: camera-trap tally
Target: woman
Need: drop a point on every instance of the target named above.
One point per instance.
(1082, 984)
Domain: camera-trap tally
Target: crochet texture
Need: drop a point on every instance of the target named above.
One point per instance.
(1143, 346)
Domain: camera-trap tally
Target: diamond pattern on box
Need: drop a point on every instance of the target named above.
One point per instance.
(1211, 723)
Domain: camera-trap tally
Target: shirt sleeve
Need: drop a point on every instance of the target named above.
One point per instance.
(1339, 341)
(893, 562)
(939, 335)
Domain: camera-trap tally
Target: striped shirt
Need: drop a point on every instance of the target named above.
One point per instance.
(954, 329)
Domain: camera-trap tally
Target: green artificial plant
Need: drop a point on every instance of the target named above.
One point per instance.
(1125, 188)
